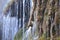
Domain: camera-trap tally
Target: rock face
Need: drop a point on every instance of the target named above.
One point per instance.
(45, 24)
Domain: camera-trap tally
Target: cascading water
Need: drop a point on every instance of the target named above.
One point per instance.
(10, 24)
(9, 28)
(31, 33)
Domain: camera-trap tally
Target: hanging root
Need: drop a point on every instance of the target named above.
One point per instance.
(32, 13)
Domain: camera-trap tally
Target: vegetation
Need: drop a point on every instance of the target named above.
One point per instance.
(19, 35)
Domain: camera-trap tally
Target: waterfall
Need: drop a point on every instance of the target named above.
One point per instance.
(23, 21)
(9, 24)
(32, 32)
(28, 35)
(9, 28)
(26, 14)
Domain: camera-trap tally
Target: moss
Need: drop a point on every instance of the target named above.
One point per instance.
(19, 35)
(48, 38)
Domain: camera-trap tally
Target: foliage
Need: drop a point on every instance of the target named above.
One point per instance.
(18, 35)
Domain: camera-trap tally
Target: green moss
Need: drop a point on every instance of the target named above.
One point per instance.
(43, 37)
(19, 35)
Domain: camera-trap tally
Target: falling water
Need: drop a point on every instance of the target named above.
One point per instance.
(10, 25)
(30, 33)
(9, 28)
